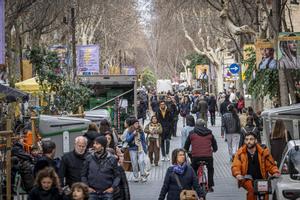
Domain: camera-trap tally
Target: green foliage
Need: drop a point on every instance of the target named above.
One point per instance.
(148, 78)
(196, 59)
(262, 82)
(71, 96)
(67, 96)
(47, 68)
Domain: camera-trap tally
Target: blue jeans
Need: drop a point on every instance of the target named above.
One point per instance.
(137, 162)
(96, 196)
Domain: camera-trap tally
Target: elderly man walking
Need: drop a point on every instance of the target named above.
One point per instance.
(71, 162)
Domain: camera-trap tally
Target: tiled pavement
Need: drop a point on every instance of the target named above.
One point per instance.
(225, 185)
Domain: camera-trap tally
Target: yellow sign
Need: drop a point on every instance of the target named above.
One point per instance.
(202, 71)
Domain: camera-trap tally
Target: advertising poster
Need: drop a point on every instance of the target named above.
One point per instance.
(228, 76)
(245, 57)
(88, 59)
(265, 55)
(202, 72)
(2, 33)
(289, 50)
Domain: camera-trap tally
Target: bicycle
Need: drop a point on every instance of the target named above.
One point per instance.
(202, 174)
(262, 187)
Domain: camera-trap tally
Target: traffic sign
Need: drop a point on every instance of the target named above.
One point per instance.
(234, 68)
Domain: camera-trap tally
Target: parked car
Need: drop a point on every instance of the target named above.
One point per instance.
(287, 186)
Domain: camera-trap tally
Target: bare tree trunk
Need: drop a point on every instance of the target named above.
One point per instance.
(284, 95)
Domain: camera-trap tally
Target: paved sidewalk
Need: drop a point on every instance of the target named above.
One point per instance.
(225, 185)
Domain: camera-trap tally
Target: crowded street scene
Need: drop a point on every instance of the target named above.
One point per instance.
(149, 100)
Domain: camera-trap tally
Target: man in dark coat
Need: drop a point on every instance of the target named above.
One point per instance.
(203, 145)
(224, 105)
(165, 119)
(71, 163)
(100, 172)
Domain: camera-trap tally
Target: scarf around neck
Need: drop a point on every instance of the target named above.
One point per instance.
(179, 169)
(101, 154)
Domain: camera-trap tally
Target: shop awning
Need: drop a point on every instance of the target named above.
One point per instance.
(29, 85)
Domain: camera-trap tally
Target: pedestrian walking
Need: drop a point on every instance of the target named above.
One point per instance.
(243, 117)
(172, 107)
(202, 108)
(79, 191)
(231, 128)
(71, 163)
(241, 104)
(47, 159)
(137, 150)
(203, 145)
(224, 105)
(91, 134)
(212, 108)
(153, 130)
(190, 124)
(122, 192)
(154, 102)
(100, 172)
(47, 186)
(278, 140)
(249, 127)
(180, 176)
(164, 118)
(184, 109)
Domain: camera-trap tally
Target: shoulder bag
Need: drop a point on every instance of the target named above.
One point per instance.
(185, 194)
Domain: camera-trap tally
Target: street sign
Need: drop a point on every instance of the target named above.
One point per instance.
(234, 68)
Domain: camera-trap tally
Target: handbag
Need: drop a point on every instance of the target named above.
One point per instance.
(186, 194)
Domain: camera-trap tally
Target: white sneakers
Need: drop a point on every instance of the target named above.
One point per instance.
(136, 179)
(166, 158)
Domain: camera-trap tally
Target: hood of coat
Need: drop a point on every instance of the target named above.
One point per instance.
(201, 130)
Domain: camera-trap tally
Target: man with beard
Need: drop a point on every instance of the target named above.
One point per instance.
(71, 163)
(100, 172)
(252, 159)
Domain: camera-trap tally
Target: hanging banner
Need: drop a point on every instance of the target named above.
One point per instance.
(202, 72)
(2, 33)
(88, 59)
(245, 57)
(289, 50)
(265, 55)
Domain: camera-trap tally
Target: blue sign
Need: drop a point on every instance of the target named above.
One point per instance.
(234, 68)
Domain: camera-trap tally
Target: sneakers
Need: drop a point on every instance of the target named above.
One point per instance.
(144, 179)
(167, 158)
(163, 158)
(146, 174)
(211, 189)
(136, 179)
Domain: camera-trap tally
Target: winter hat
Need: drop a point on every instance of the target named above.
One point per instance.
(101, 140)
(200, 122)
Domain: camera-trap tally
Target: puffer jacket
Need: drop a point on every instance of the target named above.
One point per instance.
(266, 162)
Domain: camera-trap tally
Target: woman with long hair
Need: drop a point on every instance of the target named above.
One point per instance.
(278, 140)
(47, 186)
(289, 59)
(180, 176)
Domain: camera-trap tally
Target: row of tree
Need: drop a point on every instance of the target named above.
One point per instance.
(216, 28)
